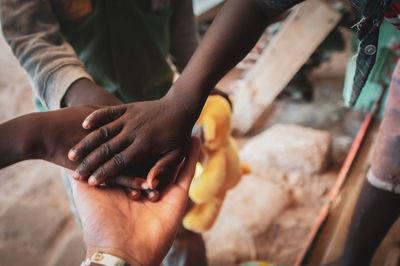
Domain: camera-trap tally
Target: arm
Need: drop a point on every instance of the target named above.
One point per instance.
(33, 33)
(45, 135)
(16, 142)
(232, 35)
(161, 129)
(184, 37)
(84, 91)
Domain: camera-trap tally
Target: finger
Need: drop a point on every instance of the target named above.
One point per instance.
(100, 155)
(93, 140)
(186, 174)
(130, 182)
(116, 164)
(165, 168)
(152, 195)
(103, 116)
(132, 193)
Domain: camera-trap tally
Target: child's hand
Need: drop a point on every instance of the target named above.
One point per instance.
(157, 131)
(62, 128)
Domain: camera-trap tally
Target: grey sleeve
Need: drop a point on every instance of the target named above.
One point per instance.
(184, 37)
(33, 33)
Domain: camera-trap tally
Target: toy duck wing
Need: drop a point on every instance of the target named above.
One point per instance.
(211, 181)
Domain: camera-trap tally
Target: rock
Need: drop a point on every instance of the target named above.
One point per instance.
(248, 210)
(288, 147)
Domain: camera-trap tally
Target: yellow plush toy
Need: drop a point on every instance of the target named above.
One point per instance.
(220, 169)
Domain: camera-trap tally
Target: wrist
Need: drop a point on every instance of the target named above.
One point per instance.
(188, 103)
(85, 92)
(112, 251)
(29, 143)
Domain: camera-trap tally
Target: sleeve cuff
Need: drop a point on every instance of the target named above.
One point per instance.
(59, 82)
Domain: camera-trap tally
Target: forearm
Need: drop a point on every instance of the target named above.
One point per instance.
(17, 141)
(232, 35)
(184, 36)
(84, 91)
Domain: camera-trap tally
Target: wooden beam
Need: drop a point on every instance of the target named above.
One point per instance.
(303, 31)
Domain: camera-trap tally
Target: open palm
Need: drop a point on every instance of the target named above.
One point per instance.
(142, 231)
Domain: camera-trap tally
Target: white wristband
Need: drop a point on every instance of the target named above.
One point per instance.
(101, 258)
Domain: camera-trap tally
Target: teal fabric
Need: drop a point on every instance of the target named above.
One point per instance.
(124, 46)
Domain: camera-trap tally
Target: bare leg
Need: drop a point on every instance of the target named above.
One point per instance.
(375, 212)
(378, 205)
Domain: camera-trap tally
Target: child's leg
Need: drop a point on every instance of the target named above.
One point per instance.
(375, 212)
(378, 205)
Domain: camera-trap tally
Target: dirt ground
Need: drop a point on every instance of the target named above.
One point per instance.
(37, 227)
(36, 224)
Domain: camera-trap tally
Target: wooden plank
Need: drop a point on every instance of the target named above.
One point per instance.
(303, 31)
(329, 243)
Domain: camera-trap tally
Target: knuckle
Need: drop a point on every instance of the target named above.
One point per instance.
(104, 133)
(81, 147)
(84, 166)
(110, 111)
(106, 149)
(119, 161)
(101, 173)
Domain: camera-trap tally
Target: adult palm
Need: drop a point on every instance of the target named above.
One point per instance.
(139, 231)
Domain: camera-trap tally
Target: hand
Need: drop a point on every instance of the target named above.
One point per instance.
(156, 131)
(61, 129)
(140, 232)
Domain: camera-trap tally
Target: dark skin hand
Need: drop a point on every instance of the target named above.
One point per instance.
(48, 135)
(84, 92)
(161, 129)
(118, 133)
(133, 140)
(42, 136)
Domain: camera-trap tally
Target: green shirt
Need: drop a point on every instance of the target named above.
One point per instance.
(124, 46)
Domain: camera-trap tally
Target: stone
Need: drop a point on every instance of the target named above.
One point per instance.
(249, 210)
(288, 147)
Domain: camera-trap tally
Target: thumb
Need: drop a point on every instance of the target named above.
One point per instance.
(187, 172)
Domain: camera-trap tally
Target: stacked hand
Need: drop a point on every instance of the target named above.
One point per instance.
(128, 135)
(61, 129)
(140, 232)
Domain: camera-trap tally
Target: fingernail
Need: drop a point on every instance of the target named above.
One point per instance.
(92, 181)
(134, 193)
(154, 183)
(153, 196)
(72, 155)
(145, 186)
(76, 175)
(85, 124)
